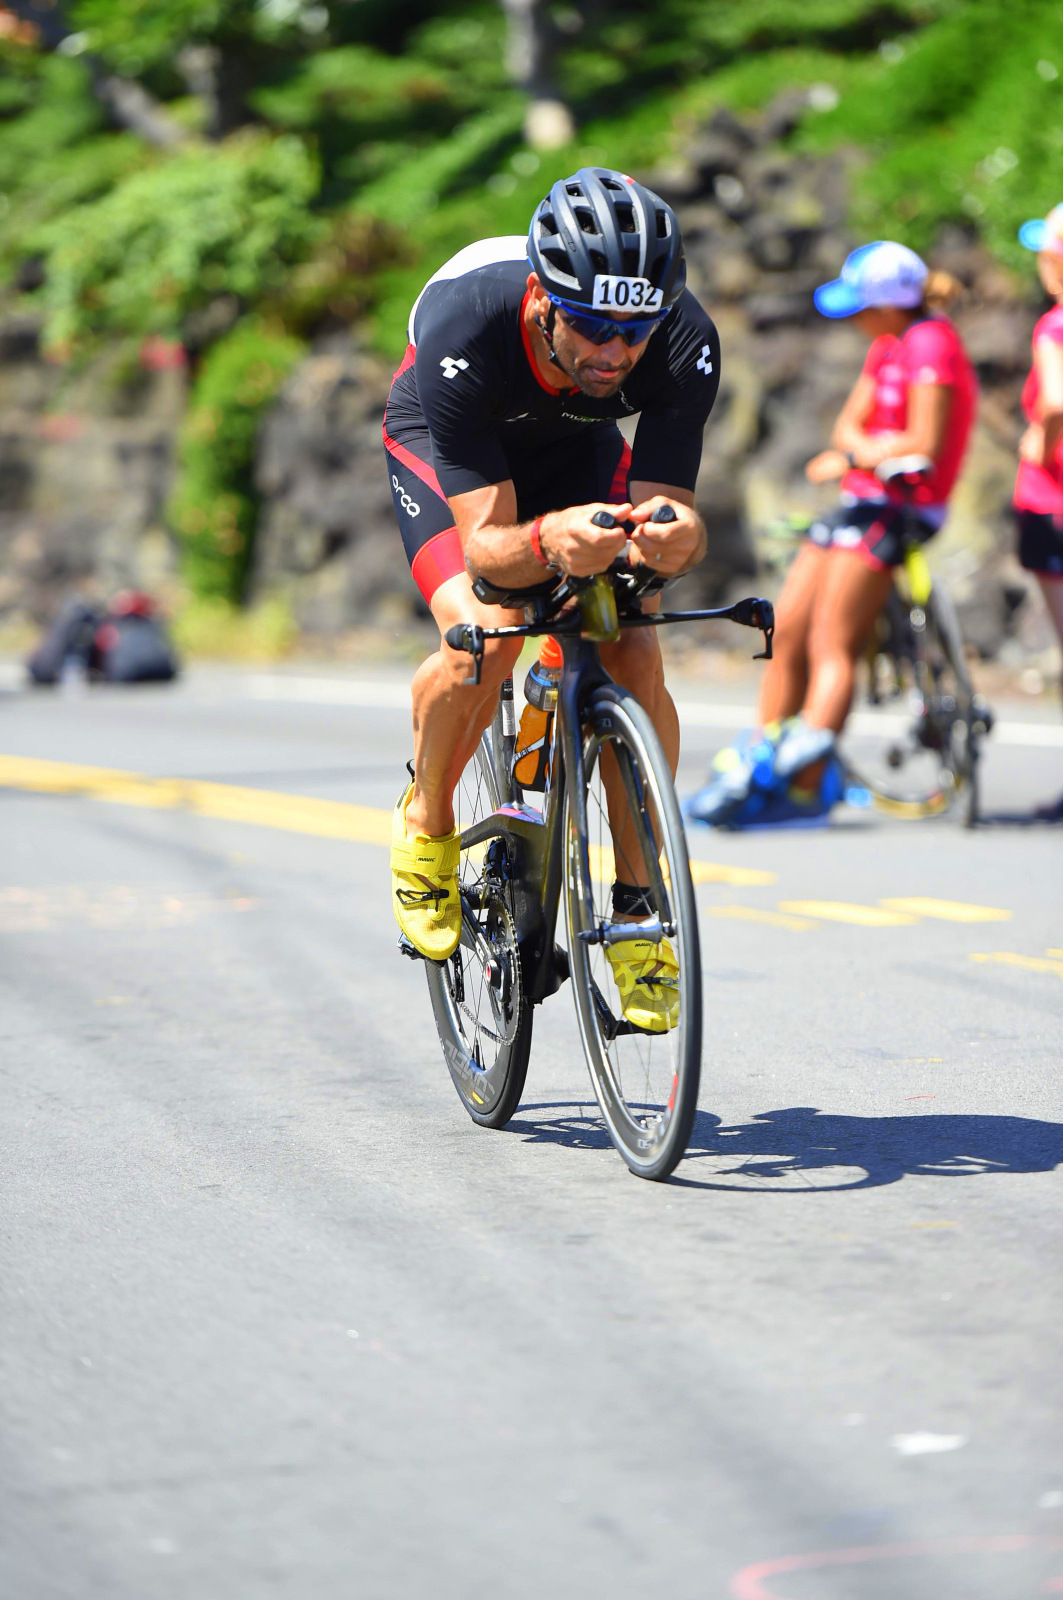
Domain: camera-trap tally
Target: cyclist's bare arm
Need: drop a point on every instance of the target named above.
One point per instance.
(929, 405)
(499, 549)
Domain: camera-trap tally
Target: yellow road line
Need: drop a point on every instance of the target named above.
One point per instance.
(738, 877)
(328, 819)
(841, 911)
(946, 910)
(1011, 958)
(775, 919)
(269, 808)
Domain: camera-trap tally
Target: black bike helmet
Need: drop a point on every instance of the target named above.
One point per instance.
(600, 221)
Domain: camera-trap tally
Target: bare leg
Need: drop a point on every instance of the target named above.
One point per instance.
(1052, 589)
(448, 715)
(785, 681)
(850, 597)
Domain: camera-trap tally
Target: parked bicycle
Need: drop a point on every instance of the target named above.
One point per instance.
(609, 810)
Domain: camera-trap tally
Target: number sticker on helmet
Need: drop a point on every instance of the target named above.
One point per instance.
(625, 294)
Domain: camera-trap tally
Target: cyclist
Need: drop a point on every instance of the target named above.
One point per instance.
(1038, 498)
(502, 442)
(916, 395)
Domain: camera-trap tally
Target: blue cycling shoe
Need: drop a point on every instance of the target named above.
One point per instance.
(750, 782)
(793, 806)
(737, 770)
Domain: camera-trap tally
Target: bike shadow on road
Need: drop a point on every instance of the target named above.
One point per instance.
(803, 1150)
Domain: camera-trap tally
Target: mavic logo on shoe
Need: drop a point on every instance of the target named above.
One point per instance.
(452, 365)
(704, 363)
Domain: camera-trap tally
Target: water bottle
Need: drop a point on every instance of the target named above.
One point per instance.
(531, 760)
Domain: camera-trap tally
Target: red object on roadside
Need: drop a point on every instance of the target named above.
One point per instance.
(162, 355)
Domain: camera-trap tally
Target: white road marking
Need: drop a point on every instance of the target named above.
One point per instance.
(373, 693)
(927, 1444)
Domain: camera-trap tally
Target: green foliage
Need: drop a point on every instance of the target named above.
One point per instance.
(383, 136)
(213, 506)
(202, 222)
(217, 630)
(963, 121)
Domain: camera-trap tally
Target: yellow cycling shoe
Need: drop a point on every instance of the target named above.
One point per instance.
(424, 887)
(647, 979)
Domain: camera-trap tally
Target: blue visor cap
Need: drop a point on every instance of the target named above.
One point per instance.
(1034, 235)
(880, 274)
(838, 299)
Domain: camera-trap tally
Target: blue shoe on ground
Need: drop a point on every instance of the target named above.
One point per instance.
(753, 775)
(793, 806)
(801, 746)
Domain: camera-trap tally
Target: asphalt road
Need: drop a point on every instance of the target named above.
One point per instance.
(279, 1321)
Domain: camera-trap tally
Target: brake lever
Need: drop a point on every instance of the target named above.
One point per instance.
(756, 613)
(469, 637)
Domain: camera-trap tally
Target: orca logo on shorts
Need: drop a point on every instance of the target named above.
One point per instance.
(411, 508)
(452, 365)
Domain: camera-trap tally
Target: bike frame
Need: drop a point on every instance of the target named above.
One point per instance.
(585, 688)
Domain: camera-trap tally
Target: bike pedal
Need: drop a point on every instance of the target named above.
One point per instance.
(409, 950)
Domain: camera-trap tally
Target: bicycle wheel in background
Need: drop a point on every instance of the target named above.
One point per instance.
(482, 1015)
(646, 1083)
(932, 764)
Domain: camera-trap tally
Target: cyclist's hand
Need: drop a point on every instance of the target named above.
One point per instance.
(570, 539)
(667, 547)
(827, 465)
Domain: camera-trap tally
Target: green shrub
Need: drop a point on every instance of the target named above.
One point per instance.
(213, 506)
(202, 222)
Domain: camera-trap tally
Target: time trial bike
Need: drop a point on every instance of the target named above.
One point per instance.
(609, 812)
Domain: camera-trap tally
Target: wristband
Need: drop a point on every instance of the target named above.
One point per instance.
(537, 548)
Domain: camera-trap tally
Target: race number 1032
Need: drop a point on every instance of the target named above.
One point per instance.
(625, 294)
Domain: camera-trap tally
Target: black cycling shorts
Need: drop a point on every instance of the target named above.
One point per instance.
(876, 531)
(1041, 542)
(590, 465)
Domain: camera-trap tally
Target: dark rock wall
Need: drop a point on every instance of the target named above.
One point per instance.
(85, 463)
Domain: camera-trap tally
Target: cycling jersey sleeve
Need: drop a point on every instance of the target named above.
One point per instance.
(668, 439)
(932, 353)
(458, 384)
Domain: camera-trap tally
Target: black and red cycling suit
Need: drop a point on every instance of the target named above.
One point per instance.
(469, 407)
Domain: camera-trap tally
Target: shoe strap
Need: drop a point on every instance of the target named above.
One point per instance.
(437, 858)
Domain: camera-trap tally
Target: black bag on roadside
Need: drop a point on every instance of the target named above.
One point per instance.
(71, 637)
(127, 643)
(132, 644)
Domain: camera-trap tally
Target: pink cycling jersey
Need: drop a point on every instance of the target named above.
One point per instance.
(930, 351)
(1041, 488)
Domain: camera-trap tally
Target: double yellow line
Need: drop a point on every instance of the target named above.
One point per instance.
(264, 808)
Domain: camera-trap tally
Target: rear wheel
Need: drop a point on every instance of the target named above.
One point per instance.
(932, 763)
(482, 1014)
(646, 1082)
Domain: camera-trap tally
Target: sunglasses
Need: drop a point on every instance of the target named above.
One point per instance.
(599, 330)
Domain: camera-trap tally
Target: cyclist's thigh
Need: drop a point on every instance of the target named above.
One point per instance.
(850, 596)
(426, 522)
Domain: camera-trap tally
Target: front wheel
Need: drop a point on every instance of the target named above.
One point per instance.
(646, 1081)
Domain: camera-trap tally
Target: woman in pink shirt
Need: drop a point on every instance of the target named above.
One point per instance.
(916, 395)
(1038, 495)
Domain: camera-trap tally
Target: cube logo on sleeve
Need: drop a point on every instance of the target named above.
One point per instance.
(452, 365)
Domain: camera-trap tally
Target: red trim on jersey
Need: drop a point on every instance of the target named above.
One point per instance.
(525, 340)
(420, 468)
(441, 559)
(618, 487)
(407, 361)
